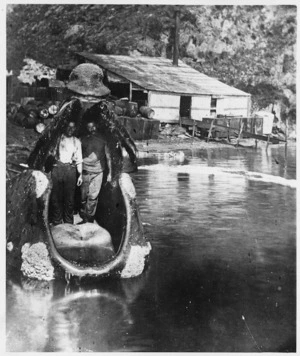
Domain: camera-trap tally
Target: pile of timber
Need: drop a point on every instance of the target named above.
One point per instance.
(124, 107)
(139, 127)
(139, 122)
(31, 114)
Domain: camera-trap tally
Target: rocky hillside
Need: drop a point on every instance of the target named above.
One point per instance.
(250, 47)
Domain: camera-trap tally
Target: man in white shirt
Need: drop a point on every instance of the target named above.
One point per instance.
(68, 157)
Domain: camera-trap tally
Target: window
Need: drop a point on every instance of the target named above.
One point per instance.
(213, 107)
(140, 97)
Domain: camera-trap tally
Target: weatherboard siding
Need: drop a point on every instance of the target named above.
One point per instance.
(165, 106)
(162, 100)
(200, 107)
(236, 106)
(167, 115)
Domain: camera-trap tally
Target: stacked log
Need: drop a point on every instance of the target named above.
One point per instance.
(119, 111)
(31, 114)
(36, 115)
(139, 122)
(125, 107)
(132, 109)
(147, 112)
(40, 127)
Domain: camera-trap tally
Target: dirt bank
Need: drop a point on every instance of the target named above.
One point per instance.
(167, 144)
(170, 144)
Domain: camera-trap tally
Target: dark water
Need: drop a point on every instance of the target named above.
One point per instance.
(222, 273)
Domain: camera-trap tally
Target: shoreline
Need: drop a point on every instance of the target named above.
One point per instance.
(21, 141)
(174, 144)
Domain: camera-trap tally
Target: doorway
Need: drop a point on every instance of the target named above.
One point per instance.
(185, 106)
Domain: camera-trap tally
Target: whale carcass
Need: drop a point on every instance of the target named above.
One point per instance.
(43, 252)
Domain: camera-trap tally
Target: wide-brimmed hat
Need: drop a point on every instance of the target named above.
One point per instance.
(86, 79)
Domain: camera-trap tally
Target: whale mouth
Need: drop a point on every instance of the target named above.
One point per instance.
(94, 250)
(86, 249)
(45, 252)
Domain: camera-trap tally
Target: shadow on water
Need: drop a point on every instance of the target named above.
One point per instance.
(216, 306)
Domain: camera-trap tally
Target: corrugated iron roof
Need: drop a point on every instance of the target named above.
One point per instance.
(159, 74)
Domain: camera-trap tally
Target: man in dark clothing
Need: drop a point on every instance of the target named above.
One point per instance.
(68, 157)
(96, 156)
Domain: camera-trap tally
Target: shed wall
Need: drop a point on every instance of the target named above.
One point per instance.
(167, 106)
(166, 115)
(236, 105)
(200, 107)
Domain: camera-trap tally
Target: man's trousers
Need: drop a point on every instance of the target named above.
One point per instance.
(63, 193)
(90, 189)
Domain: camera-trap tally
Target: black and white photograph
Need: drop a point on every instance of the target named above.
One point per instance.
(151, 186)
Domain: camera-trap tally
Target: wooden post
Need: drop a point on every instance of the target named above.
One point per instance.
(286, 131)
(240, 132)
(285, 153)
(210, 129)
(268, 142)
(130, 91)
(255, 130)
(228, 130)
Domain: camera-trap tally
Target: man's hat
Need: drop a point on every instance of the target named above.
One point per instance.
(86, 79)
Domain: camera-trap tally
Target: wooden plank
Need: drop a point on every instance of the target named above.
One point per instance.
(231, 117)
(225, 127)
(209, 124)
(262, 138)
(246, 133)
(13, 170)
(164, 107)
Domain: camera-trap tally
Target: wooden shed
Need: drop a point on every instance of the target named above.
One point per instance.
(173, 92)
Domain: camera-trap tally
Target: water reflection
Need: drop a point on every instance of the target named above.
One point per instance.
(222, 274)
(183, 192)
(53, 316)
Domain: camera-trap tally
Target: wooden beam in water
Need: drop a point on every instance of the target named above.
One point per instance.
(263, 138)
(239, 133)
(210, 130)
